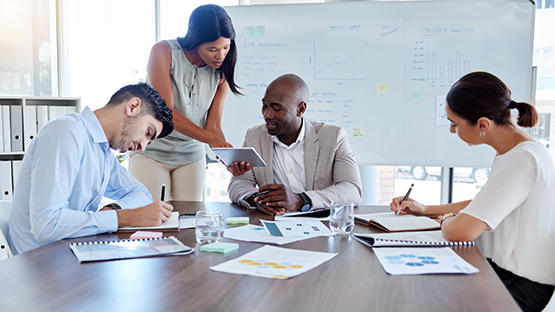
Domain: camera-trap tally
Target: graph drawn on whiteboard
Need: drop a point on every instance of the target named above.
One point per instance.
(445, 65)
(350, 64)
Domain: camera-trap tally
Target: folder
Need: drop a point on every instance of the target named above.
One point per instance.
(1, 131)
(16, 164)
(16, 113)
(6, 179)
(42, 116)
(6, 132)
(30, 125)
(56, 111)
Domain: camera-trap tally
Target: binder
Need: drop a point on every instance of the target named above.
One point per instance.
(42, 116)
(16, 113)
(6, 179)
(1, 131)
(16, 164)
(30, 125)
(6, 128)
(56, 111)
(408, 239)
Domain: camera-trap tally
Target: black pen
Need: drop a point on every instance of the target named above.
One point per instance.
(261, 193)
(163, 191)
(405, 198)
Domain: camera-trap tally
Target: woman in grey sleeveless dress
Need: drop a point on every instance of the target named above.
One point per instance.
(194, 75)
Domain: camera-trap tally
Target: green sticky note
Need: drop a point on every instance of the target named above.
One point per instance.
(237, 221)
(220, 247)
(416, 96)
(249, 31)
(260, 31)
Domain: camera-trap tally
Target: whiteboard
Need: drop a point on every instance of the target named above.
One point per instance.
(381, 70)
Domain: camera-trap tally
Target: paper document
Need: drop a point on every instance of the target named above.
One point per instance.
(257, 234)
(301, 229)
(274, 262)
(171, 225)
(411, 261)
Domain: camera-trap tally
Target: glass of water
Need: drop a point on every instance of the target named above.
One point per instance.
(342, 218)
(209, 226)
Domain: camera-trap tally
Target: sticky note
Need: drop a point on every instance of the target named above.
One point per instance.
(358, 132)
(220, 247)
(146, 234)
(381, 88)
(249, 31)
(237, 221)
(416, 96)
(260, 31)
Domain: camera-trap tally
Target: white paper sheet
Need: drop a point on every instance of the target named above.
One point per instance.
(296, 228)
(257, 234)
(411, 261)
(274, 262)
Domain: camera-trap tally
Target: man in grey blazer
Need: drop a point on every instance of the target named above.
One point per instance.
(310, 165)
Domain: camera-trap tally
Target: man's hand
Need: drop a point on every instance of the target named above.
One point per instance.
(239, 168)
(151, 215)
(279, 198)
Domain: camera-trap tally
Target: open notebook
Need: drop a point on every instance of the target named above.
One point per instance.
(407, 239)
(390, 222)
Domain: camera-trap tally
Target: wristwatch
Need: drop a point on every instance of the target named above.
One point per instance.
(445, 217)
(114, 206)
(307, 203)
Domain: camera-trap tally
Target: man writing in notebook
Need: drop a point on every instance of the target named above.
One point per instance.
(310, 164)
(69, 167)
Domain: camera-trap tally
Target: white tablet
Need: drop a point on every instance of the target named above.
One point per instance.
(246, 154)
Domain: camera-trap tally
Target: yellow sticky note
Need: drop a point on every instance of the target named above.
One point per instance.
(381, 88)
(358, 132)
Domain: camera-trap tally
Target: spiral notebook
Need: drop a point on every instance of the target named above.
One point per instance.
(408, 239)
(128, 248)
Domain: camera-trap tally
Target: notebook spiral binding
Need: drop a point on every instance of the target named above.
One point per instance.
(119, 240)
(426, 243)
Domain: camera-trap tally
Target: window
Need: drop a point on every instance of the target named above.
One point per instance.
(28, 44)
(107, 44)
(543, 58)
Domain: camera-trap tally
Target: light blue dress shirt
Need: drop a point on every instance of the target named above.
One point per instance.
(63, 176)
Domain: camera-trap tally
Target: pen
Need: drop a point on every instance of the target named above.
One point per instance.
(405, 198)
(261, 193)
(163, 191)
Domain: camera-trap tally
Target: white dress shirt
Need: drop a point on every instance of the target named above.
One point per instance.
(289, 162)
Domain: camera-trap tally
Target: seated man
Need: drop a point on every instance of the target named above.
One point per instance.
(310, 165)
(69, 167)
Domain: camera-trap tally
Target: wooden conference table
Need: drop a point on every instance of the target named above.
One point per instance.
(51, 279)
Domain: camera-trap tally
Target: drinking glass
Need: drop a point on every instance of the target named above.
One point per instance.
(342, 218)
(209, 226)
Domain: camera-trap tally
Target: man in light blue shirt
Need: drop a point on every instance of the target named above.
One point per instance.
(69, 167)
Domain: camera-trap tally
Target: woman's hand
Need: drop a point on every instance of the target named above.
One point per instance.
(216, 141)
(410, 206)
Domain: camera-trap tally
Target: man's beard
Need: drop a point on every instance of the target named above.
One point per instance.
(129, 127)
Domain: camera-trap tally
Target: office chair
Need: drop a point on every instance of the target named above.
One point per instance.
(5, 209)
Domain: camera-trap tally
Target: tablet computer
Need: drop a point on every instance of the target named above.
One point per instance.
(246, 154)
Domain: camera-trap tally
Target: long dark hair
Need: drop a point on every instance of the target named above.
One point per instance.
(206, 24)
(481, 94)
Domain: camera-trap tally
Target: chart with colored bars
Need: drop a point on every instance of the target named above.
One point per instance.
(422, 260)
(274, 262)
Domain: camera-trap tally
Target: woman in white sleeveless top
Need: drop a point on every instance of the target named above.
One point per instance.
(194, 75)
(514, 213)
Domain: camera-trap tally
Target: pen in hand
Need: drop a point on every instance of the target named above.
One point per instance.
(405, 198)
(163, 192)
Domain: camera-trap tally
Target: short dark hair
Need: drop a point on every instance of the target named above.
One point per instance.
(151, 103)
(481, 94)
(206, 24)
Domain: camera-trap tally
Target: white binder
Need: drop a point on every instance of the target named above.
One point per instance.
(42, 116)
(6, 128)
(30, 125)
(16, 113)
(6, 177)
(1, 131)
(16, 164)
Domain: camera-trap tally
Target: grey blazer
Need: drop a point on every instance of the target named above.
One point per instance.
(332, 174)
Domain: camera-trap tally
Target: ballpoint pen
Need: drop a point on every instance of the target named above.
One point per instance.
(163, 192)
(405, 198)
